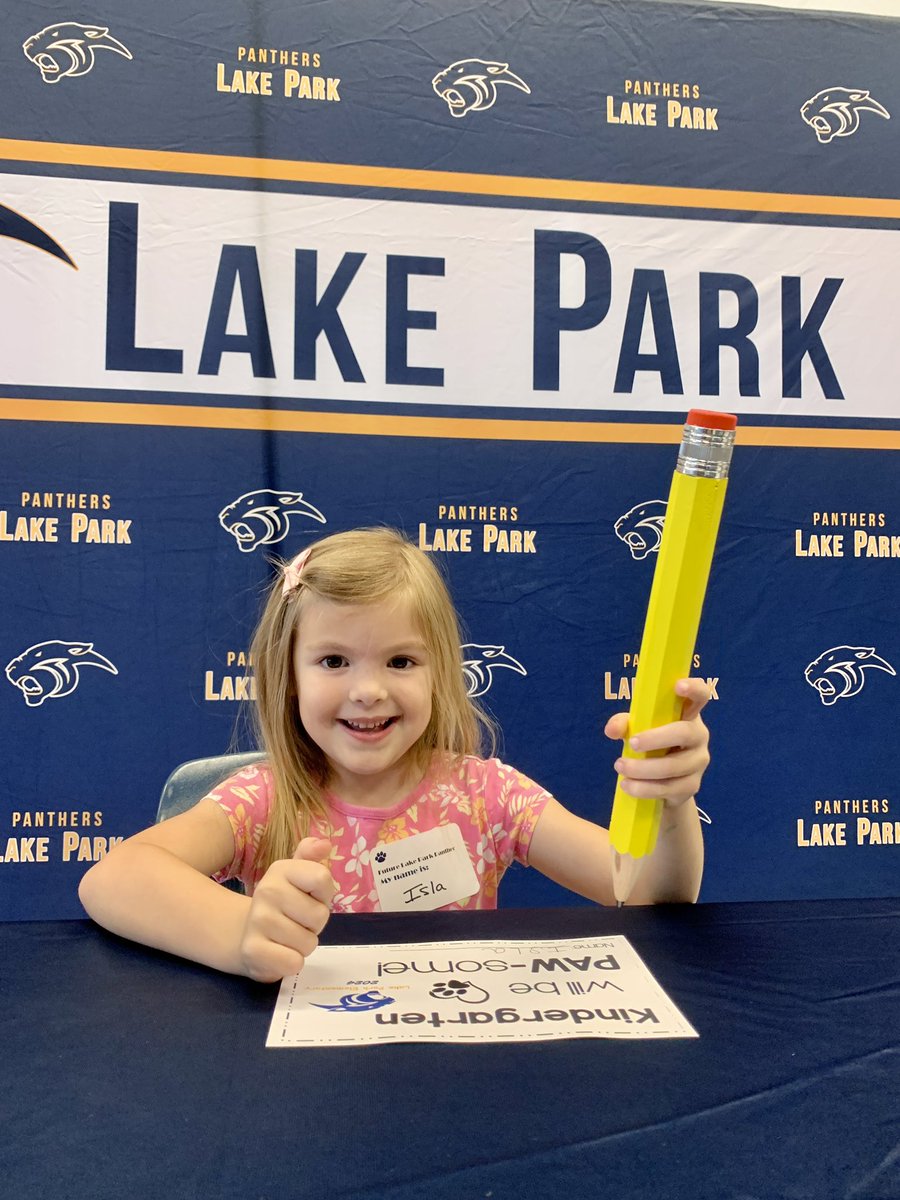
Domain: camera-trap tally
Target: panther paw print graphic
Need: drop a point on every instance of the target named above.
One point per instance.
(459, 989)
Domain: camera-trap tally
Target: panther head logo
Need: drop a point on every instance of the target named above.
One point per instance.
(262, 518)
(834, 112)
(20, 229)
(479, 662)
(357, 1002)
(641, 528)
(49, 670)
(68, 49)
(839, 672)
(470, 85)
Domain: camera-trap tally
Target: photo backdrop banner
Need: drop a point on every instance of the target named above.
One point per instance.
(268, 272)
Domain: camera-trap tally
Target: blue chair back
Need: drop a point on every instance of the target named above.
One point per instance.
(192, 780)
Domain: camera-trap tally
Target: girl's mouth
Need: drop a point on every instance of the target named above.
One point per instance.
(368, 726)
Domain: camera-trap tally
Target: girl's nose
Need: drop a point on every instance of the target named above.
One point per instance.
(368, 689)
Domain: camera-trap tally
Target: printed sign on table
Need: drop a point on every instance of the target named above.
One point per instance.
(473, 992)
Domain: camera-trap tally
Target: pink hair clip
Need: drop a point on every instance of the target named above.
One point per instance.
(292, 572)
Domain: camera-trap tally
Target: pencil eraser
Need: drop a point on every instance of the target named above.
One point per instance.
(711, 420)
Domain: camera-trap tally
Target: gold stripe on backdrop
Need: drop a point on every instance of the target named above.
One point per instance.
(190, 416)
(526, 187)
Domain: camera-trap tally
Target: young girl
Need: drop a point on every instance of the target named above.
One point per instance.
(370, 738)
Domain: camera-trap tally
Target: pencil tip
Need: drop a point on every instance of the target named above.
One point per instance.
(624, 873)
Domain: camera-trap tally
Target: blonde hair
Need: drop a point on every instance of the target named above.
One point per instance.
(362, 566)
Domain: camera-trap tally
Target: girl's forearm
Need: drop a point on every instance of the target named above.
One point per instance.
(146, 893)
(672, 874)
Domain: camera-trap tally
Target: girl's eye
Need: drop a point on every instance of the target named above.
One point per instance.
(333, 661)
(400, 662)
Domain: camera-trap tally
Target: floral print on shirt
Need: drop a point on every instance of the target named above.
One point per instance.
(495, 807)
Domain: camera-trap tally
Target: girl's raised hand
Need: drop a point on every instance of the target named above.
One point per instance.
(675, 776)
(289, 909)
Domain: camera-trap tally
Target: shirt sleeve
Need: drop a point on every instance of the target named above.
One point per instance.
(245, 799)
(514, 804)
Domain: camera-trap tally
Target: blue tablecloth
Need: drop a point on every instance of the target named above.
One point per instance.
(127, 1073)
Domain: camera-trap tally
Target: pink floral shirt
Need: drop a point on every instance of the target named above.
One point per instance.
(494, 806)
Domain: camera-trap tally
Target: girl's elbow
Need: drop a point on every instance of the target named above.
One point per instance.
(87, 888)
(93, 887)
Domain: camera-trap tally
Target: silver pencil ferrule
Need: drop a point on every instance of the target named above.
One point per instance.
(705, 453)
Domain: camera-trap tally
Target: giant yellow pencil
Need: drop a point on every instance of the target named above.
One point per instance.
(673, 617)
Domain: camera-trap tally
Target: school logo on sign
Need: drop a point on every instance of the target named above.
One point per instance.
(262, 518)
(840, 672)
(479, 663)
(67, 49)
(641, 528)
(50, 670)
(470, 85)
(21, 229)
(834, 112)
(357, 1002)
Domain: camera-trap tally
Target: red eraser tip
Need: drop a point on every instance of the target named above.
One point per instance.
(711, 420)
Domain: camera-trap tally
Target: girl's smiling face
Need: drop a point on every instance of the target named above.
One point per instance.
(364, 683)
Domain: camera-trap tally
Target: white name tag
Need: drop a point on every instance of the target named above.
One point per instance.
(424, 871)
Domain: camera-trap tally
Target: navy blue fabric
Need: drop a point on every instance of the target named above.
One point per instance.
(512, 203)
(129, 1073)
